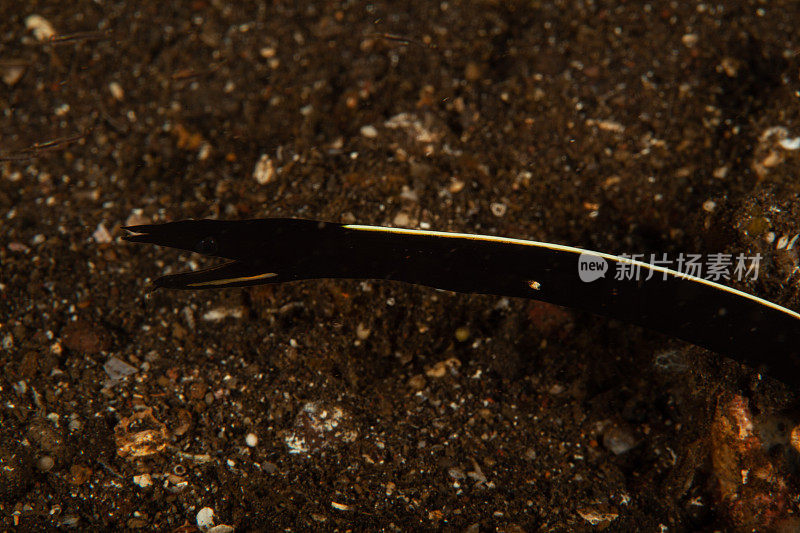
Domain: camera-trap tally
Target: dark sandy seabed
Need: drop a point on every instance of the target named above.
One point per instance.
(347, 405)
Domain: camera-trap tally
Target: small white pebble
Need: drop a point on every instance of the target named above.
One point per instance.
(265, 170)
(690, 39)
(456, 185)
(222, 528)
(8, 342)
(116, 91)
(101, 234)
(205, 518)
(204, 152)
(409, 194)
(770, 237)
(401, 220)
(498, 209)
(136, 218)
(143, 480)
(709, 206)
(45, 464)
(12, 74)
(340, 506)
(221, 313)
(606, 125)
(251, 440)
(790, 144)
(370, 132)
(41, 27)
(362, 331)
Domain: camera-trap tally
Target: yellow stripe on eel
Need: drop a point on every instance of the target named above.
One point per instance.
(233, 280)
(575, 250)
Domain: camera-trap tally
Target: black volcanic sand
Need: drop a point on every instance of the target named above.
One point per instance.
(350, 405)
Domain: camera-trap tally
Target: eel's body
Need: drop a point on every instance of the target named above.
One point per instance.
(708, 314)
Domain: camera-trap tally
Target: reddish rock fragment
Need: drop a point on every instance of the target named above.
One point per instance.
(79, 474)
(753, 491)
(85, 337)
(550, 319)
